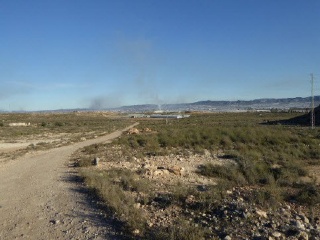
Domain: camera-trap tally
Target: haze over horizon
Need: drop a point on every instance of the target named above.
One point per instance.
(99, 54)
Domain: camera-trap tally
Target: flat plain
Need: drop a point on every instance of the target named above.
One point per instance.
(210, 176)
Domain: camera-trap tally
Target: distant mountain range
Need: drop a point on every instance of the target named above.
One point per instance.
(214, 106)
(227, 106)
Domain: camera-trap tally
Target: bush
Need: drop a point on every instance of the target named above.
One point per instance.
(180, 230)
(59, 124)
(92, 149)
(106, 186)
(269, 196)
(180, 192)
(228, 172)
(309, 195)
(84, 162)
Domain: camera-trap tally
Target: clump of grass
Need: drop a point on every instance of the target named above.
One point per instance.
(59, 124)
(180, 230)
(111, 186)
(267, 196)
(309, 195)
(83, 162)
(181, 191)
(91, 149)
(229, 172)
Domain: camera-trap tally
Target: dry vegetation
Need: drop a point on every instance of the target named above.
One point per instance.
(50, 130)
(210, 176)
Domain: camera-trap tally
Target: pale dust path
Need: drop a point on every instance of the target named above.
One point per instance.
(38, 200)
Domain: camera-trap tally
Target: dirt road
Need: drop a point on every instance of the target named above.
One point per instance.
(39, 198)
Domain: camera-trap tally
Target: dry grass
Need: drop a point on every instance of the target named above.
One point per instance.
(267, 160)
(50, 130)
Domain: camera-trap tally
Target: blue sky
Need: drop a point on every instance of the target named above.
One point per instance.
(79, 53)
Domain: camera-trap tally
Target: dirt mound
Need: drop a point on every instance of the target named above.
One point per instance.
(304, 120)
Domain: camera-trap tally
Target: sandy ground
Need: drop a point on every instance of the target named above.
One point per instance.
(6, 147)
(10, 147)
(40, 198)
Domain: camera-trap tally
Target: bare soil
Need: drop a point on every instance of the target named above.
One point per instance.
(40, 197)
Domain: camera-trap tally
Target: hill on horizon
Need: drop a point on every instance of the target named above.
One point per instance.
(303, 120)
(207, 105)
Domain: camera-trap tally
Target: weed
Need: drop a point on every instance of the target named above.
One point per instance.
(59, 124)
(113, 193)
(180, 192)
(268, 196)
(83, 162)
(180, 230)
(309, 195)
(229, 172)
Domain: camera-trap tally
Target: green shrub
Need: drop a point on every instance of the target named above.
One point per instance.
(92, 149)
(309, 195)
(105, 185)
(59, 124)
(181, 191)
(84, 162)
(229, 172)
(253, 171)
(268, 196)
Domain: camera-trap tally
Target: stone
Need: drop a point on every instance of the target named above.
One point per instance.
(190, 199)
(229, 192)
(160, 172)
(176, 170)
(96, 161)
(202, 188)
(146, 166)
(137, 205)
(262, 213)
(133, 131)
(157, 173)
(299, 225)
(207, 153)
(165, 172)
(54, 221)
(276, 234)
(303, 236)
(304, 219)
